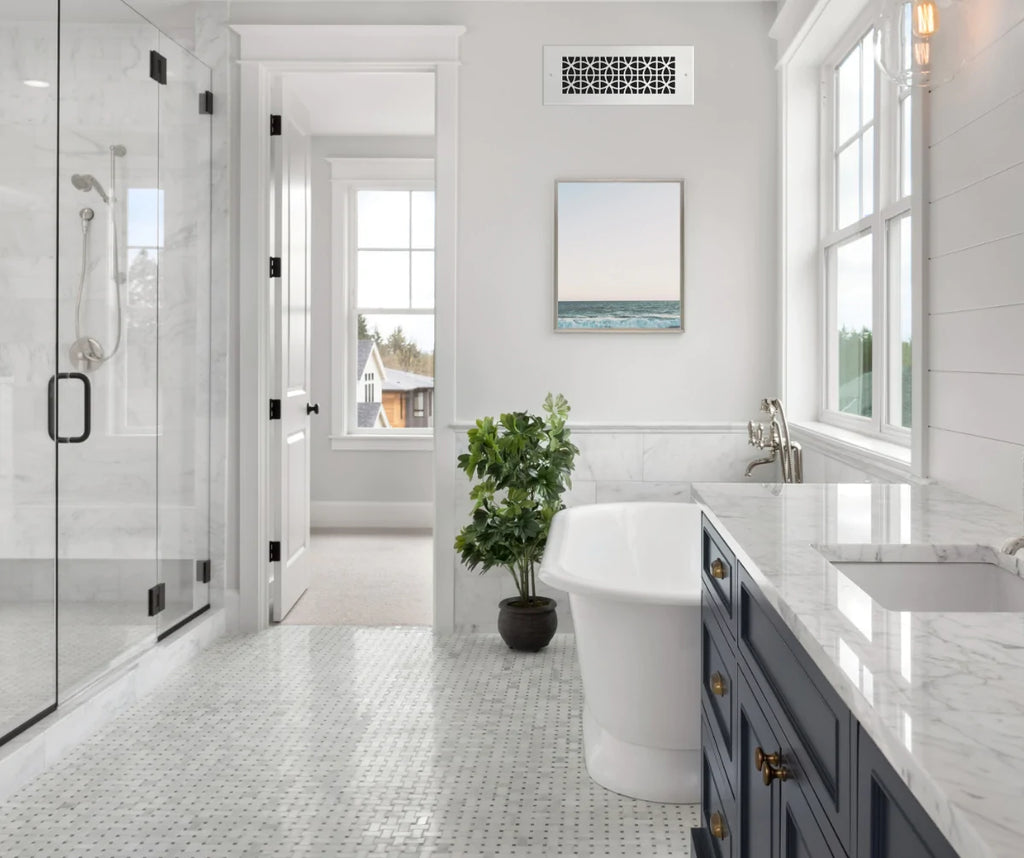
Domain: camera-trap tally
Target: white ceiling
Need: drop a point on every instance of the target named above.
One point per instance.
(366, 104)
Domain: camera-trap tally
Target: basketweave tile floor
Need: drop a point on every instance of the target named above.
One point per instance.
(339, 742)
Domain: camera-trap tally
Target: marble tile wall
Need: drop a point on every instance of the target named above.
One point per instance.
(217, 48)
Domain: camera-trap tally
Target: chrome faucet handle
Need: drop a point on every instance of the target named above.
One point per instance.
(1012, 546)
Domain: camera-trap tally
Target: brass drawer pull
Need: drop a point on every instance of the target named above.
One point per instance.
(760, 758)
(773, 771)
(718, 569)
(718, 686)
(718, 829)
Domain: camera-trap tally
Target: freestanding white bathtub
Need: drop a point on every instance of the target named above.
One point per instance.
(632, 571)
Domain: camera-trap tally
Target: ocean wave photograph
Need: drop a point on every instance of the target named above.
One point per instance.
(619, 256)
(596, 315)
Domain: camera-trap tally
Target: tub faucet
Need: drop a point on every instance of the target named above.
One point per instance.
(774, 437)
(1012, 546)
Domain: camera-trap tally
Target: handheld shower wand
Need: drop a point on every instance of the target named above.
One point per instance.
(86, 352)
(86, 182)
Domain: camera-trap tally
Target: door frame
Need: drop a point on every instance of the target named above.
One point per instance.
(265, 53)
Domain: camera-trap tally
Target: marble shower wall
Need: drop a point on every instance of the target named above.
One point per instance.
(110, 487)
(635, 465)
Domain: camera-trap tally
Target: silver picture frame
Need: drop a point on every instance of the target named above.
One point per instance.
(597, 241)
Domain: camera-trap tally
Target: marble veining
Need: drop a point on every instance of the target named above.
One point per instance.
(942, 694)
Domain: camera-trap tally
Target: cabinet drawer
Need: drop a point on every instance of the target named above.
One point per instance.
(718, 678)
(816, 724)
(718, 807)
(718, 565)
(890, 821)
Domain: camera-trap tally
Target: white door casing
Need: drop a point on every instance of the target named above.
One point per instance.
(289, 471)
(265, 53)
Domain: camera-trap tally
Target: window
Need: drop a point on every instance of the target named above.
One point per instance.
(866, 247)
(391, 294)
(135, 403)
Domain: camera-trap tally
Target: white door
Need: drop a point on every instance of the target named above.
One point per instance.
(290, 439)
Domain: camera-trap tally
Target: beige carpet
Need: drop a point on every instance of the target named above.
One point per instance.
(368, 579)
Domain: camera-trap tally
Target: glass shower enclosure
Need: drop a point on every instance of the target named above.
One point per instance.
(104, 345)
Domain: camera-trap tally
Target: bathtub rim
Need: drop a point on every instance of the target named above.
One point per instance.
(554, 574)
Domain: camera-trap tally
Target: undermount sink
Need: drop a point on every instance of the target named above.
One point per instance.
(946, 587)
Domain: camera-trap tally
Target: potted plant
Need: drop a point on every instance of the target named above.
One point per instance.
(521, 465)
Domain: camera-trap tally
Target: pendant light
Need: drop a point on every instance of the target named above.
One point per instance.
(922, 42)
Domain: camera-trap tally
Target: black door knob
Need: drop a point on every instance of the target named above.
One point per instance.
(313, 409)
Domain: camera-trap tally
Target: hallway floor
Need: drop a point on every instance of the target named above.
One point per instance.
(368, 579)
(339, 742)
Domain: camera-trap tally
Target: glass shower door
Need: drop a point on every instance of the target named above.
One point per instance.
(110, 224)
(184, 337)
(28, 260)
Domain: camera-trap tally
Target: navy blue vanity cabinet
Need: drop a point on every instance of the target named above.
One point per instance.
(890, 823)
(787, 770)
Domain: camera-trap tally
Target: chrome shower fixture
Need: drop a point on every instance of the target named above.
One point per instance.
(774, 437)
(86, 182)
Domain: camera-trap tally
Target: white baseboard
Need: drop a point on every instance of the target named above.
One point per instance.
(371, 514)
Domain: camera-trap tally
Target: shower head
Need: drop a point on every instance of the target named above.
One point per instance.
(118, 151)
(86, 182)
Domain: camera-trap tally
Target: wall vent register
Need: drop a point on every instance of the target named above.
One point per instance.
(652, 74)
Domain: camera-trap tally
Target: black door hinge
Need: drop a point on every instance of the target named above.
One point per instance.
(275, 266)
(206, 102)
(158, 66)
(275, 124)
(203, 571)
(157, 599)
(275, 551)
(275, 409)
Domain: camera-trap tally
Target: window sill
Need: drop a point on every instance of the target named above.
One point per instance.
(854, 448)
(388, 443)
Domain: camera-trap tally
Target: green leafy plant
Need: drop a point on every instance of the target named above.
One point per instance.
(521, 465)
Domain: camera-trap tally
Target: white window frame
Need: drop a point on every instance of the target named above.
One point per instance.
(120, 425)
(348, 177)
(888, 206)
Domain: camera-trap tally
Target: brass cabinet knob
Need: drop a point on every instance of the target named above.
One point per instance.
(773, 773)
(760, 758)
(717, 569)
(718, 829)
(718, 686)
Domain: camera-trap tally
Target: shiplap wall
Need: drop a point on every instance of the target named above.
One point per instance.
(976, 265)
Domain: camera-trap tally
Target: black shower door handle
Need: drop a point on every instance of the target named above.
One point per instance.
(51, 408)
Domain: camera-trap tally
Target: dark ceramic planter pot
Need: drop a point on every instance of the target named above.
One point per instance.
(528, 628)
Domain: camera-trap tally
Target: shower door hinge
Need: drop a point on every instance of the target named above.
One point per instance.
(157, 599)
(275, 266)
(275, 124)
(206, 102)
(203, 571)
(275, 551)
(158, 67)
(275, 409)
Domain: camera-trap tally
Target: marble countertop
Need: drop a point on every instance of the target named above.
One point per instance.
(942, 694)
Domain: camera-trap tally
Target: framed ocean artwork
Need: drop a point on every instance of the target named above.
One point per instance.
(619, 256)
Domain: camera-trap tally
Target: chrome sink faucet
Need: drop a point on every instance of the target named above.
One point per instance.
(774, 437)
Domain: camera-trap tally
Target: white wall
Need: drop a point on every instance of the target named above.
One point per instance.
(341, 478)
(976, 256)
(639, 395)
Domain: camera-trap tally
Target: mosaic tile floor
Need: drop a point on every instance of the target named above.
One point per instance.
(343, 742)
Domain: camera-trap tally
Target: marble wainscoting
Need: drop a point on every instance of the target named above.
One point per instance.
(627, 464)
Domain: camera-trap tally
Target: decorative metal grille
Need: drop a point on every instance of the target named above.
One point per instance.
(618, 75)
